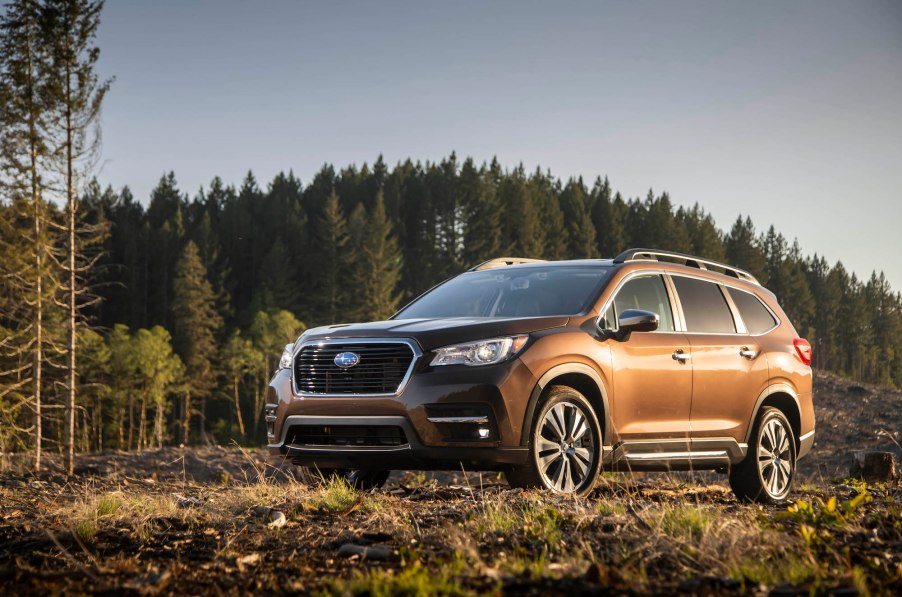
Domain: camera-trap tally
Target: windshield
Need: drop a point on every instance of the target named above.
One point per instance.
(512, 292)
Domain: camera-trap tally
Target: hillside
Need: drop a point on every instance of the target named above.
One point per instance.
(197, 520)
(851, 416)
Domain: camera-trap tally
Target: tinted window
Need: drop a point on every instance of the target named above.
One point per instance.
(646, 293)
(753, 312)
(532, 291)
(704, 306)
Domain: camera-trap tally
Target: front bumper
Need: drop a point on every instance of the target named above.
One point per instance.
(499, 394)
(413, 455)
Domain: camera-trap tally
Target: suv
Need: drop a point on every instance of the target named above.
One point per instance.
(552, 371)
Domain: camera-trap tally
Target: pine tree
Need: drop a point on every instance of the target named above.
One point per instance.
(197, 324)
(277, 287)
(165, 229)
(607, 217)
(442, 181)
(704, 237)
(580, 229)
(376, 265)
(76, 95)
(521, 225)
(481, 214)
(743, 249)
(332, 236)
(543, 193)
(24, 148)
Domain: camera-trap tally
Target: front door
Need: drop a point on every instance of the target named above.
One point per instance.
(652, 370)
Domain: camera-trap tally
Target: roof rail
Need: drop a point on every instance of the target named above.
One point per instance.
(501, 262)
(687, 260)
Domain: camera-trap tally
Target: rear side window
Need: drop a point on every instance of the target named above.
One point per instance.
(646, 293)
(704, 306)
(758, 319)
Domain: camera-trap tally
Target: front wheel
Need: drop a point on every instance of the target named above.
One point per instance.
(564, 446)
(767, 472)
(357, 478)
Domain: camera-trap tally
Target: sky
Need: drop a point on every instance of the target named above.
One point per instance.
(790, 113)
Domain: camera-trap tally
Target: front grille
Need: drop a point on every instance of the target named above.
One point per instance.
(380, 370)
(372, 436)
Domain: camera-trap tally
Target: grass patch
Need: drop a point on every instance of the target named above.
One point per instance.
(773, 570)
(609, 508)
(689, 523)
(497, 517)
(413, 580)
(335, 495)
(87, 521)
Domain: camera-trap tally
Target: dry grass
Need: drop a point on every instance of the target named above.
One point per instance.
(638, 534)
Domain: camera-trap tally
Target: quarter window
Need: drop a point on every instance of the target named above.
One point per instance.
(646, 293)
(704, 306)
(757, 318)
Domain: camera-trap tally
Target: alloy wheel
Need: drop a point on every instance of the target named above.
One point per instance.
(565, 449)
(775, 457)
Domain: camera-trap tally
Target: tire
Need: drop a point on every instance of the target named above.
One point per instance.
(766, 474)
(362, 480)
(558, 461)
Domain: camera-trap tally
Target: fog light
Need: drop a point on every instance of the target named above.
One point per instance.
(483, 432)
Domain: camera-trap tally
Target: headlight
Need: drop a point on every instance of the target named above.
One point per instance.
(481, 352)
(285, 360)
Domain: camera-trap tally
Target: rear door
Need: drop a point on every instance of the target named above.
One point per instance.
(652, 387)
(729, 370)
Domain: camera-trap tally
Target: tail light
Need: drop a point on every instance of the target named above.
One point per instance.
(803, 350)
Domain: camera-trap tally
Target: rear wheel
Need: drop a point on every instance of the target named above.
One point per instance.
(564, 446)
(356, 478)
(767, 472)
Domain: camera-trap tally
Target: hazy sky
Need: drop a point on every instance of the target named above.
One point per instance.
(790, 112)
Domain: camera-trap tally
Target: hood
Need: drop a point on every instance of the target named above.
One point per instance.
(434, 333)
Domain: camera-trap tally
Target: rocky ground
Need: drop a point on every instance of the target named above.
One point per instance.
(226, 520)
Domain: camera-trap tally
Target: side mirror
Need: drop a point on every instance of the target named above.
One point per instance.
(636, 320)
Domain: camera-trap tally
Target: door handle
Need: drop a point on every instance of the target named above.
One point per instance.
(680, 356)
(746, 353)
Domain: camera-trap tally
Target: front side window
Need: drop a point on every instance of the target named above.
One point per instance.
(532, 291)
(648, 294)
(704, 306)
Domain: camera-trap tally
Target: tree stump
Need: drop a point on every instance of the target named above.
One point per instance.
(874, 467)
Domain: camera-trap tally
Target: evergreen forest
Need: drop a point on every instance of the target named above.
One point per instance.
(134, 322)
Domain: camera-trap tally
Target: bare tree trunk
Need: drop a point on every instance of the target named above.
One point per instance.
(38, 316)
(98, 424)
(203, 421)
(131, 421)
(142, 424)
(69, 434)
(238, 406)
(258, 397)
(39, 262)
(186, 416)
(121, 424)
(159, 421)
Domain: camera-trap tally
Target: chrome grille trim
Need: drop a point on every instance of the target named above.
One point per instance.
(412, 344)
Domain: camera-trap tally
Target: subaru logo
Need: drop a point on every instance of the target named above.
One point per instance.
(346, 360)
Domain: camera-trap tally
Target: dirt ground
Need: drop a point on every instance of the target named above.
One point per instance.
(229, 521)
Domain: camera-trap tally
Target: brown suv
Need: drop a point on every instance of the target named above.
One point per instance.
(552, 371)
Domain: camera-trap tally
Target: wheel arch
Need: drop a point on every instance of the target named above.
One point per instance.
(782, 397)
(580, 377)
